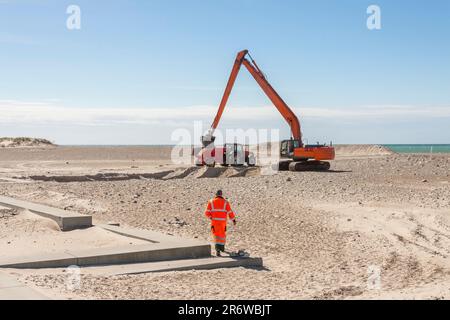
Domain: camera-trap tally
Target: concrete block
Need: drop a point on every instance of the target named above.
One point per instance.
(67, 220)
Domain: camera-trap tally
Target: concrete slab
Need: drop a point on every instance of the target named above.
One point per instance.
(7, 281)
(151, 236)
(111, 256)
(21, 293)
(55, 260)
(163, 253)
(11, 289)
(175, 265)
(146, 253)
(67, 220)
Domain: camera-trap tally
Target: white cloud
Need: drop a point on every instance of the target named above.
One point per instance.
(382, 111)
(51, 112)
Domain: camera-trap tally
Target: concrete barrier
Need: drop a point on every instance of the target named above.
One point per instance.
(67, 220)
(110, 256)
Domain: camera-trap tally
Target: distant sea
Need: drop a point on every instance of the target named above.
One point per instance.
(399, 148)
(419, 148)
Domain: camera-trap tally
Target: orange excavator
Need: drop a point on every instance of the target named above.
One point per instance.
(294, 155)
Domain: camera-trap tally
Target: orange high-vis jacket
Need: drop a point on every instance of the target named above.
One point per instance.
(219, 210)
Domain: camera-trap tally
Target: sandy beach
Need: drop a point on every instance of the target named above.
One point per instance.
(320, 233)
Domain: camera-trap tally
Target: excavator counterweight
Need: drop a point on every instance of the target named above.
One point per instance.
(294, 154)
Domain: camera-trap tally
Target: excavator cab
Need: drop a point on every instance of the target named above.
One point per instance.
(287, 148)
(299, 157)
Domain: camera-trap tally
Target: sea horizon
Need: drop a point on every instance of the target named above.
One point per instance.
(398, 148)
(418, 148)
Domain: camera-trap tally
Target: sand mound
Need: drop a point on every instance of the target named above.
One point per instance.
(6, 213)
(110, 176)
(181, 173)
(184, 173)
(362, 150)
(217, 172)
(207, 172)
(7, 142)
(38, 223)
(25, 221)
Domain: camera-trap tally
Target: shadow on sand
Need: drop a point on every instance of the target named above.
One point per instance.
(338, 171)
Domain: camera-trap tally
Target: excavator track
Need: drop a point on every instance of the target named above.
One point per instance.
(309, 166)
(290, 165)
(282, 166)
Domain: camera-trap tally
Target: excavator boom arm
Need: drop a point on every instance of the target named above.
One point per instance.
(257, 74)
(229, 87)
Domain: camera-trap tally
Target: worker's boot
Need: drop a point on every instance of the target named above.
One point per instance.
(219, 248)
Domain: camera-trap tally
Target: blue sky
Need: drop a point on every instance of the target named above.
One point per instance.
(139, 69)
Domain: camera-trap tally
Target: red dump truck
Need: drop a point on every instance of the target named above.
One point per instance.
(230, 154)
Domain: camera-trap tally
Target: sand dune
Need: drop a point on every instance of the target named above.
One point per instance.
(23, 142)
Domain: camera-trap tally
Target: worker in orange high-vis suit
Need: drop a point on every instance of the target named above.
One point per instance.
(218, 211)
